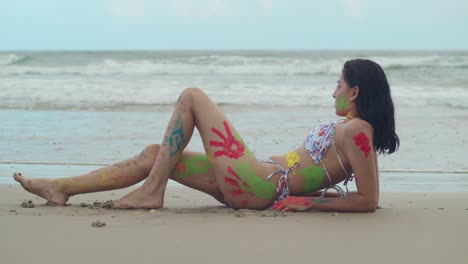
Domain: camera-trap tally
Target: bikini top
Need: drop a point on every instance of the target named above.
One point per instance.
(317, 142)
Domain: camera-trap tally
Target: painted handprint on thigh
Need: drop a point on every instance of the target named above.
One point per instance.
(231, 147)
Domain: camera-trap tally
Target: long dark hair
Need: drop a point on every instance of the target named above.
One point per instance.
(374, 102)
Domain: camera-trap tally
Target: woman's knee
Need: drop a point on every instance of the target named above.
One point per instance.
(192, 94)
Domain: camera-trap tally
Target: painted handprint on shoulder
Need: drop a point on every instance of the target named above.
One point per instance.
(231, 147)
(362, 141)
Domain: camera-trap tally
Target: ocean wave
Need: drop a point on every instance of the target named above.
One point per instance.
(89, 106)
(127, 94)
(151, 81)
(208, 65)
(234, 63)
(115, 97)
(12, 59)
(409, 62)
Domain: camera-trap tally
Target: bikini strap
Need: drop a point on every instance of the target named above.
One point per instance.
(349, 177)
(330, 186)
(284, 171)
(339, 159)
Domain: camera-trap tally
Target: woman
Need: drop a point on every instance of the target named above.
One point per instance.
(232, 174)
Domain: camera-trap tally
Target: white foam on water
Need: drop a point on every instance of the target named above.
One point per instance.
(10, 59)
(70, 80)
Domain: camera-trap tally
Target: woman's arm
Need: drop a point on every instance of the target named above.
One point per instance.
(327, 194)
(354, 202)
(360, 153)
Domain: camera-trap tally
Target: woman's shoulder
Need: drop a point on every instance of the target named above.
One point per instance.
(356, 126)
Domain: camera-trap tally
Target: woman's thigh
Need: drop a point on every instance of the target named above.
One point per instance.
(194, 170)
(239, 175)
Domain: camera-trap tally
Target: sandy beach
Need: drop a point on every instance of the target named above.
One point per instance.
(67, 113)
(193, 227)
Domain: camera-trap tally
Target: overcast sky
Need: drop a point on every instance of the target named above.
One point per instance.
(233, 24)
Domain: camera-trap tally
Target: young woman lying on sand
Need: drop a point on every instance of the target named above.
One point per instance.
(333, 152)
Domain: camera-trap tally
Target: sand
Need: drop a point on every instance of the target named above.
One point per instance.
(194, 228)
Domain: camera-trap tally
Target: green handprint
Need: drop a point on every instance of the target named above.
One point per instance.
(313, 177)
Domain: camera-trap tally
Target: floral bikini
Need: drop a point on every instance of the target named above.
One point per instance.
(317, 142)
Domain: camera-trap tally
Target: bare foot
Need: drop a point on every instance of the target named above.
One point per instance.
(139, 199)
(47, 189)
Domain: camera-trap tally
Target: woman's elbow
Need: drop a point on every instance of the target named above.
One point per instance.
(367, 205)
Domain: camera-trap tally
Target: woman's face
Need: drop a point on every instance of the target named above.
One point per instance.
(342, 97)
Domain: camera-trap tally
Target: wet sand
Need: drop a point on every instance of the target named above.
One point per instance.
(194, 228)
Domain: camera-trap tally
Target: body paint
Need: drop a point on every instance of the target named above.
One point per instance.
(342, 102)
(238, 179)
(241, 187)
(231, 147)
(118, 179)
(124, 164)
(236, 135)
(292, 158)
(105, 179)
(192, 165)
(292, 200)
(177, 137)
(231, 181)
(362, 141)
(210, 156)
(237, 192)
(65, 182)
(253, 184)
(313, 178)
(108, 180)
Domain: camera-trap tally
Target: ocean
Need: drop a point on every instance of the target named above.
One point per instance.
(72, 109)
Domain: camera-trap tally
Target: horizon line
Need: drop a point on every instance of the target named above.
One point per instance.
(232, 50)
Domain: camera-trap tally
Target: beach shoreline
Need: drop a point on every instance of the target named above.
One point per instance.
(51, 144)
(408, 228)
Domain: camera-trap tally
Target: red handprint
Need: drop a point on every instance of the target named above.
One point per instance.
(362, 141)
(243, 186)
(228, 144)
(293, 203)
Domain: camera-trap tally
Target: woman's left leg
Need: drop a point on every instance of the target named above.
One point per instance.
(178, 133)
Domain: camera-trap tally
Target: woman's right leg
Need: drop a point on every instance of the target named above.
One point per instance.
(193, 170)
(116, 176)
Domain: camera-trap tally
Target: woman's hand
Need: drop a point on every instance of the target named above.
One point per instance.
(293, 203)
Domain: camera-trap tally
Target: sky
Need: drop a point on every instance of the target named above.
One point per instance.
(234, 25)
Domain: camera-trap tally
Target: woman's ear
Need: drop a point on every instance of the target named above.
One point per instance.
(354, 93)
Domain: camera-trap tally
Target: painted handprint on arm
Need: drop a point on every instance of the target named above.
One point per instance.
(231, 147)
